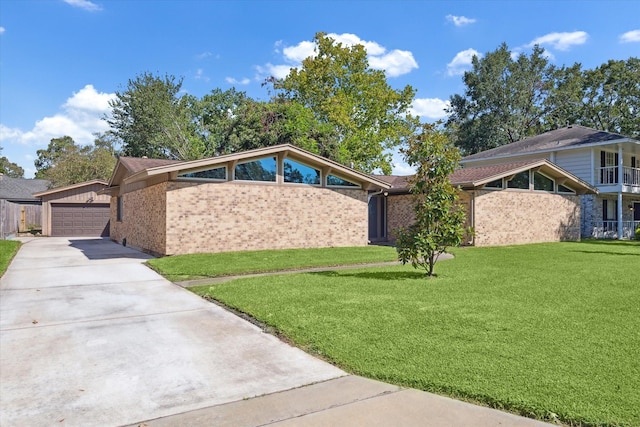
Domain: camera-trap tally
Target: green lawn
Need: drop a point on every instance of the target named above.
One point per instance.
(194, 266)
(8, 248)
(550, 331)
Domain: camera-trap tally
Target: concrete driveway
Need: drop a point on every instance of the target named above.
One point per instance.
(90, 336)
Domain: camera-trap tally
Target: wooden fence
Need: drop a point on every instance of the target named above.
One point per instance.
(15, 218)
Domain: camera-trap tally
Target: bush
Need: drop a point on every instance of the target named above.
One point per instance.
(638, 233)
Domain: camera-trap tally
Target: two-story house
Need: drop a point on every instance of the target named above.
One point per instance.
(608, 161)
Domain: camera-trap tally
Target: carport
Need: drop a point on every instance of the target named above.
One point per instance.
(75, 210)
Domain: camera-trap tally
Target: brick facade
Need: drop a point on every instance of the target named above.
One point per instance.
(518, 217)
(179, 217)
(505, 217)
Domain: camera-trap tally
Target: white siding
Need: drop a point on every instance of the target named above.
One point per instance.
(511, 159)
(578, 162)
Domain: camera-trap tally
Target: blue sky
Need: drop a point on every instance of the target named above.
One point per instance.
(62, 60)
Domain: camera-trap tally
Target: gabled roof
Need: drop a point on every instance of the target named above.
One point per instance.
(70, 187)
(476, 177)
(142, 169)
(20, 189)
(569, 137)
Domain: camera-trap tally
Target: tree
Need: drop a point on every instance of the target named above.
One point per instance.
(504, 100)
(65, 163)
(439, 217)
(152, 120)
(10, 169)
(344, 93)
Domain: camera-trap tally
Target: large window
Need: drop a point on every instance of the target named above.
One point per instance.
(520, 180)
(565, 189)
(215, 173)
(336, 181)
(264, 169)
(299, 173)
(542, 183)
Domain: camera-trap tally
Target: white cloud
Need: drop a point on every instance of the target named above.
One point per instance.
(432, 108)
(461, 62)
(84, 4)
(233, 81)
(630, 37)
(460, 21)
(203, 55)
(399, 166)
(561, 41)
(80, 118)
(200, 75)
(2, 30)
(394, 63)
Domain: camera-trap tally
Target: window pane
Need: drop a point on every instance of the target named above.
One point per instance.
(299, 173)
(494, 184)
(564, 189)
(217, 173)
(337, 181)
(521, 180)
(257, 170)
(541, 182)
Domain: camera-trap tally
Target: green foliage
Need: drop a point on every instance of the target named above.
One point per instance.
(344, 94)
(439, 217)
(638, 233)
(8, 249)
(184, 267)
(548, 331)
(504, 100)
(10, 169)
(65, 163)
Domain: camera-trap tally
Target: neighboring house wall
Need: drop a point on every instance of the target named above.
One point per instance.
(518, 217)
(143, 221)
(400, 213)
(234, 216)
(80, 195)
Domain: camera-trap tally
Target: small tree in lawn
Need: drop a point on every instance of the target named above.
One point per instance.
(439, 217)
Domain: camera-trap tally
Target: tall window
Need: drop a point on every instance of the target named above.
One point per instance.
(119, 208)
(609, 210)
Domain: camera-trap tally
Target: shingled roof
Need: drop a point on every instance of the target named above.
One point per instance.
(566, 137)
(136, 164)
(20, 189)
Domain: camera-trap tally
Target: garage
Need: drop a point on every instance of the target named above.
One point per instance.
(74, 219)
(78, 210)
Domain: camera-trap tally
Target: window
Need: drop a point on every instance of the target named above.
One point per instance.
(609, 210)
(336, 181)
(215, 173)
(119, 208)
(565, 189)
(298, 173)
(520, 180)
(494, 184)
(542, 183)
(257, 170)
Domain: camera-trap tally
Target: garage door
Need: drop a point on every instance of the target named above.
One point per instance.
(86, 219)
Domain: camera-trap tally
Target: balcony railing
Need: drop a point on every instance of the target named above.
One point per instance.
(609, 229)
(608, 175)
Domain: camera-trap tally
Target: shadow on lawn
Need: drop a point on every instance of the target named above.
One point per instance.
(377, 275)
(608, 253)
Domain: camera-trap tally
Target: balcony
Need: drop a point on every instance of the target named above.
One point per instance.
(609, 229)
(608, 175)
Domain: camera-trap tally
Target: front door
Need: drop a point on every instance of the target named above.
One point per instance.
(377, 218)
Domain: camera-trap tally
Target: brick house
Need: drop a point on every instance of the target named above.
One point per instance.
(509, 203)
(607, 161)
(269, 198)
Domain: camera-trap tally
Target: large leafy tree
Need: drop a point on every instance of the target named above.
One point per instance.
(9, 168)
(343, 92)
(64, 162)
(151, 119)
(440, 219)
(504, 101)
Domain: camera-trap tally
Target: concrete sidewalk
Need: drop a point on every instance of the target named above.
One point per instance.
(89, 336)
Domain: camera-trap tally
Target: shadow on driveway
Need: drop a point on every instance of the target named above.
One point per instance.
(99, 248)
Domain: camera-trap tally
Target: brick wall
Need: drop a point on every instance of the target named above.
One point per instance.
(143, 219)
(233, 216)
(518, 217)
(400, 213)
